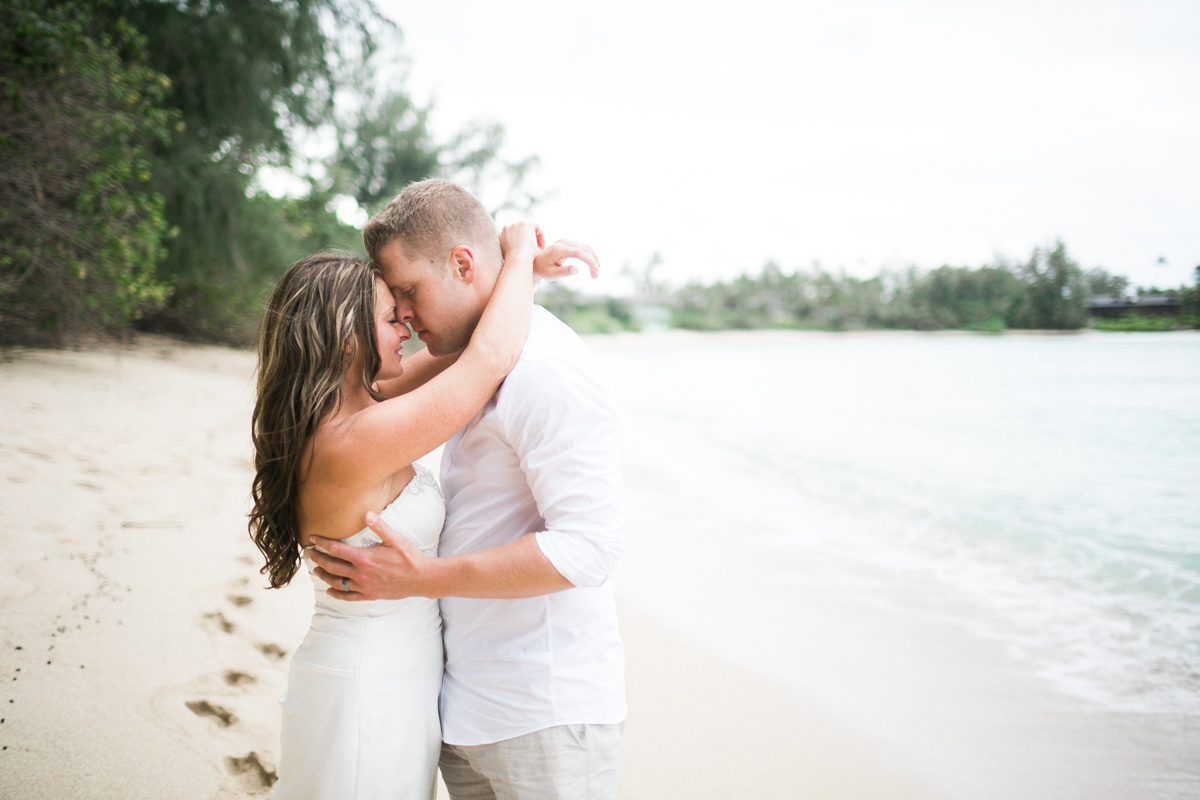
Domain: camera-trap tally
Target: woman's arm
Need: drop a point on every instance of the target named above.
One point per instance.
(419, 369)
(387, 437)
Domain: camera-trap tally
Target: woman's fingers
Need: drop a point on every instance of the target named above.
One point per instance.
(550, 263)
(586, 255)
(564, 249)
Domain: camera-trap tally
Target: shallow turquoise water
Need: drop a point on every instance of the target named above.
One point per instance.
(1049, 483)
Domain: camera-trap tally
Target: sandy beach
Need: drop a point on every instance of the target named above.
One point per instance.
(143, 658)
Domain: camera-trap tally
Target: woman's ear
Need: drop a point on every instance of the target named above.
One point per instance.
(462, 263)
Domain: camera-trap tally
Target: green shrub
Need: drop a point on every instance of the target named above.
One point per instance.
(591, 321)
(1134, 323)
(81, 234)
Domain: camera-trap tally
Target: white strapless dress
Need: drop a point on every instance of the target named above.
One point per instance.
(360, 715)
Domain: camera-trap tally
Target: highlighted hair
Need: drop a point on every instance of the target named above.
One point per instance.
(321, 315)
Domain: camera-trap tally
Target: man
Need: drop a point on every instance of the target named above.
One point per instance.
(533, 698)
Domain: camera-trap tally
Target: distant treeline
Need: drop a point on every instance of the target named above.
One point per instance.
(1048, 291)
(132, 135)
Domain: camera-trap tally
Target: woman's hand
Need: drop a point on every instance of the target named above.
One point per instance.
(549, 265)
(521, 236)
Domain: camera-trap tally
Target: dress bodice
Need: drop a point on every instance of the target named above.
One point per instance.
(417, 513)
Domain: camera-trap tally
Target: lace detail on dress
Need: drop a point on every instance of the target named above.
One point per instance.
(424, 479)
(369, 538)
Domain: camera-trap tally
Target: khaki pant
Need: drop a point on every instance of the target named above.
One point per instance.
(569, 762)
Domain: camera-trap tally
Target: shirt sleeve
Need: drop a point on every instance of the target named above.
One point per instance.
(563, 427)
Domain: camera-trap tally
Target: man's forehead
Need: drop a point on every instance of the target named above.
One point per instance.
(399, 265)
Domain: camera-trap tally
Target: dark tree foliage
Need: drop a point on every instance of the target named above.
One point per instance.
(245, 76)
(384, 143)
(80, 230)
(1055, 293)
(252, 79)
(1191, 298)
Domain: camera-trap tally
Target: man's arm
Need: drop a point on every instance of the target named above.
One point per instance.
(517, 569)
(563, 427)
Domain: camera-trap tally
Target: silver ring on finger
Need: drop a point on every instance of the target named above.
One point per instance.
(345, 584)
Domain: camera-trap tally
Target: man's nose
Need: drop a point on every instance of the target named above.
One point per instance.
(404, 312)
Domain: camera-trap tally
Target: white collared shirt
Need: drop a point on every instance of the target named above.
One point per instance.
(541, 457)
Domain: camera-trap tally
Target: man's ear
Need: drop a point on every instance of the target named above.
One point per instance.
(462, 262)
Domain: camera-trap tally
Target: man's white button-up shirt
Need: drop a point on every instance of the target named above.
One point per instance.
(541, 457)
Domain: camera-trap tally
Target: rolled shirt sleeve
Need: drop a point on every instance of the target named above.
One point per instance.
(563, 427)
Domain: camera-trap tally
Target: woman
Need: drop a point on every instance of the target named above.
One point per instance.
(360, 716)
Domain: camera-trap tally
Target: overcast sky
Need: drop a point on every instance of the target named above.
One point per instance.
(859, 134)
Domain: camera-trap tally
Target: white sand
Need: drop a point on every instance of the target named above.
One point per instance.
(123, 482)
(132, 586)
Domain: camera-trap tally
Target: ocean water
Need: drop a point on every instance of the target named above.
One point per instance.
(1043, 491)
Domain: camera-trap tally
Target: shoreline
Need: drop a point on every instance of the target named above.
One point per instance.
(677, 338)
(137, 342)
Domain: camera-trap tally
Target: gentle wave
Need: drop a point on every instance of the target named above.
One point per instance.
(1047, 485)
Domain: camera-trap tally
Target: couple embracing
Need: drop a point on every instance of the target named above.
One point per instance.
(470, 624)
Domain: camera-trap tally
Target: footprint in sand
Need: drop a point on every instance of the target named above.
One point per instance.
(239, 600)
(272, 651)
(235, 678)
(254, 775)
(203, 708)
(224, 624)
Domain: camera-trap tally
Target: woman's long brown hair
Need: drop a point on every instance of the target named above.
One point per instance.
(320, 316)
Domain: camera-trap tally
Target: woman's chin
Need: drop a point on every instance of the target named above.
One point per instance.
(390, 371)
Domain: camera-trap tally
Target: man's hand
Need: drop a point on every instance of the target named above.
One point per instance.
(549, 264)
(397, 569)
(392, 571)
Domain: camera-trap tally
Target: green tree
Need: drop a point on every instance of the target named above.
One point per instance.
(246, 75)
(1101, 283)
(955, 297)
(253, 80)
(1048, 291)
(1055, 292)
(81, 232)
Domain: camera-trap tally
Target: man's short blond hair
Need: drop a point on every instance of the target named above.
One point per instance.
(431, 218)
